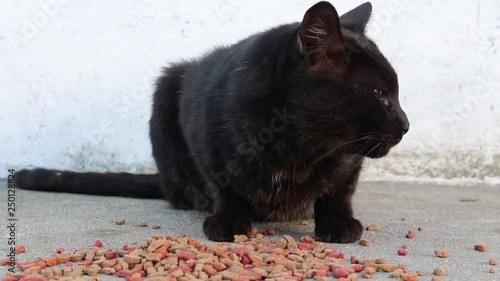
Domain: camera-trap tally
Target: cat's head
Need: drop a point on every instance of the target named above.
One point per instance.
(349, 91)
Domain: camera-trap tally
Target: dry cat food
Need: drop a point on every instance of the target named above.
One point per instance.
(420, 273)
(480, 247)
(402, 252)
(373, 227)
(493, 262)
(120, 221)
(364, 242)
(439, 271)
(303, 222)
(442, 253)
(169, 258)
(19, 249)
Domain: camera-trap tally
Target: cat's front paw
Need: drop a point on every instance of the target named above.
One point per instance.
(338, 230)
(224, 227)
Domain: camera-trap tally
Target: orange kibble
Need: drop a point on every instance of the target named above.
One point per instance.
(51, 261)
(109, 263)
(162, 249)
(19, 249)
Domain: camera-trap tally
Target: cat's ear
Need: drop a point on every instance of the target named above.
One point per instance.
(320, 33)
(357, 18)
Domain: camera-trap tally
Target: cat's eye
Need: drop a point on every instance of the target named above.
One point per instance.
(380, 94)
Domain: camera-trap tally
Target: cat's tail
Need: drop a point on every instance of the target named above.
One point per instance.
(107, 184)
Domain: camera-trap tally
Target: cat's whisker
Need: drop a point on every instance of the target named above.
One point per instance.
(368, 137)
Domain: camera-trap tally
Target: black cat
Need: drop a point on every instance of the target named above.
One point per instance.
(274, 127)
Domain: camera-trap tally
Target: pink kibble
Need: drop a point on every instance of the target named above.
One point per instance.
(240, 251)
(402, 252)
(86, 263)
(60, 250)
(339, 255)
(354, 259)
(186, 255)
(305, 246)
(357, 267)
(98, 243)
(409, 235)
(403, 266)
(320, 273)
(340, 272)
(247, 266)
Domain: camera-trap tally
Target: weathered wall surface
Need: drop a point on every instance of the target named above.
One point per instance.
(76, 78)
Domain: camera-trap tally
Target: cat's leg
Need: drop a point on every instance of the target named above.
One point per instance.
(180, 181)
(333, 214)
(232, 216)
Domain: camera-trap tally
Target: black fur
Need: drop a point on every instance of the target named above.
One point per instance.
(274, 127)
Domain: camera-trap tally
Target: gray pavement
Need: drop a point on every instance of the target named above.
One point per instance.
(47, 221)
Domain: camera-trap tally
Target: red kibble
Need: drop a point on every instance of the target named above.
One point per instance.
(410, 235)
(269, 232)
(337, 255)
(98, 243)
(480, 247)
(60, 250)
(110, 255)
(245, 260)
(402, 252)
(128, 248)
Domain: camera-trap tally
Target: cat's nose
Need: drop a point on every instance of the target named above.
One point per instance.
(405, 129)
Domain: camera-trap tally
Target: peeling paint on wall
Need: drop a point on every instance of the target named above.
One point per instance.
(76, 87)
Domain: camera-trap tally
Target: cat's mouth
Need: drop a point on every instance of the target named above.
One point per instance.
(381, 148)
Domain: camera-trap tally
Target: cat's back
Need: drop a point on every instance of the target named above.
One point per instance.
(215, 85)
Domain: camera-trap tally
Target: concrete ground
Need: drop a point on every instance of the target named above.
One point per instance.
(47, 221)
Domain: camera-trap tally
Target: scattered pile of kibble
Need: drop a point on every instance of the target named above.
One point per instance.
(183, 258)
(170, 258)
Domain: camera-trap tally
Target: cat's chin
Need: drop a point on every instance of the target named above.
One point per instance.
(379, 151)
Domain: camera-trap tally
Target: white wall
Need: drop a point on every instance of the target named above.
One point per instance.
(76, 78)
